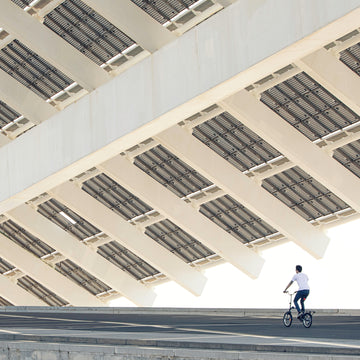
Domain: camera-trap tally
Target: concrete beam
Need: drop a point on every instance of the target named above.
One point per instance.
(24, 101)
(134, 22)
(212, 68)
(295, 146)
(130, 237)
(17, 295)
(183, 215)
(81, 255)
(244, 190)
(51, 47)
(336, 77)
(45, 275)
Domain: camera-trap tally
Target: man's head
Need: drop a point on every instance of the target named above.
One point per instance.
(298, 268)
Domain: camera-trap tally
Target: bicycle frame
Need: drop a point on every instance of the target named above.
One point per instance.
(305, 318)
(291, 300)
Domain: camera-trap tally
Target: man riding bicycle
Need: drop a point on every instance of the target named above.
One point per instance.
(304, 289)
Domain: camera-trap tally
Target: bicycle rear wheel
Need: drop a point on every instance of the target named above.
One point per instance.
(307, 320)
(287, 319)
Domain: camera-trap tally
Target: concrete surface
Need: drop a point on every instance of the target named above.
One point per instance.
(127, 333)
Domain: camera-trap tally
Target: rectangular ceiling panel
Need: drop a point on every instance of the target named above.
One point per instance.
(235, 219)
(164, 10)
(22, 3)
(67, 219)
(170, 171)
(349, 156)
(7, 114)
(115, 197)
(87, 31)
(234, 142)
(302, 193)
(5, 266)
(4, 302)
(308, 106)
(24, 239)
(177, 241)
(32, 70)
(127, 260)
(351, 58)
(81, 277)
(41, 292)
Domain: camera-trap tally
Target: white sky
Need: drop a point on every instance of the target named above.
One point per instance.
(333, 279)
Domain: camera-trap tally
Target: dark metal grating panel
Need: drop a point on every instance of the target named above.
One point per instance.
(40, 291)
(163, 10)
(22, 3)
(170, 171)
(5, 266)
(127, 260)
(309, 107)
(24, 239)
(236, 219)
(351, 58)
(7, 114)
(81, 277)
(4, 302)
(349, 156)
(87, 31)
(32, 71)
(234, 142)
(302, 193)
(82, 229)
(115, 197)
(177, 241)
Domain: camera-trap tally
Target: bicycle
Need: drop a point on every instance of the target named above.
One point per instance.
(305, 318)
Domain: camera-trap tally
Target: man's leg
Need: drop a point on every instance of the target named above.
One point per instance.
(303, 295)
(297, 298)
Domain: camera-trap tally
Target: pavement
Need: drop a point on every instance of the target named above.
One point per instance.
(333, 333)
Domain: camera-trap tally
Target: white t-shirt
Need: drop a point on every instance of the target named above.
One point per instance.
(302, 281)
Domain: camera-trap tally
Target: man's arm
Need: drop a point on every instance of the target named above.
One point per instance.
(289, 284)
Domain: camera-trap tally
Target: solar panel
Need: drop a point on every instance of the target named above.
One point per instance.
(5, 266)
(115, 197)
(72, 222)
(33, 71)
(303, 194)
(4, 302)
(164, 10)
(349, 156)
(351, 58)
(7, 114)
(127, 260)
(24, 239)
(234, 142)
(236, 219)
(177, 241)
(81, 277)
(22, 3)
(87, 31)
(41, 292)
(308, 106)
(170, 171)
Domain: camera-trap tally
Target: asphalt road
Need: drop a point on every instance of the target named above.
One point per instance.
(324, 327)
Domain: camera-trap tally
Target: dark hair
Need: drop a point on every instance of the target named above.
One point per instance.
(299, 268)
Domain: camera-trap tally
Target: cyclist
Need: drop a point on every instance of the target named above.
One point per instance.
(304, 289)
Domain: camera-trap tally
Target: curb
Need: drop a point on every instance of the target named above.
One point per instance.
(183, 345)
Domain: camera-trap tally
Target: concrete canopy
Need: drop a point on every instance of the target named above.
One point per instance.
(170, 140)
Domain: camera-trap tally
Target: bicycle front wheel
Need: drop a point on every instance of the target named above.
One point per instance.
(307, 320)
(287, 319)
